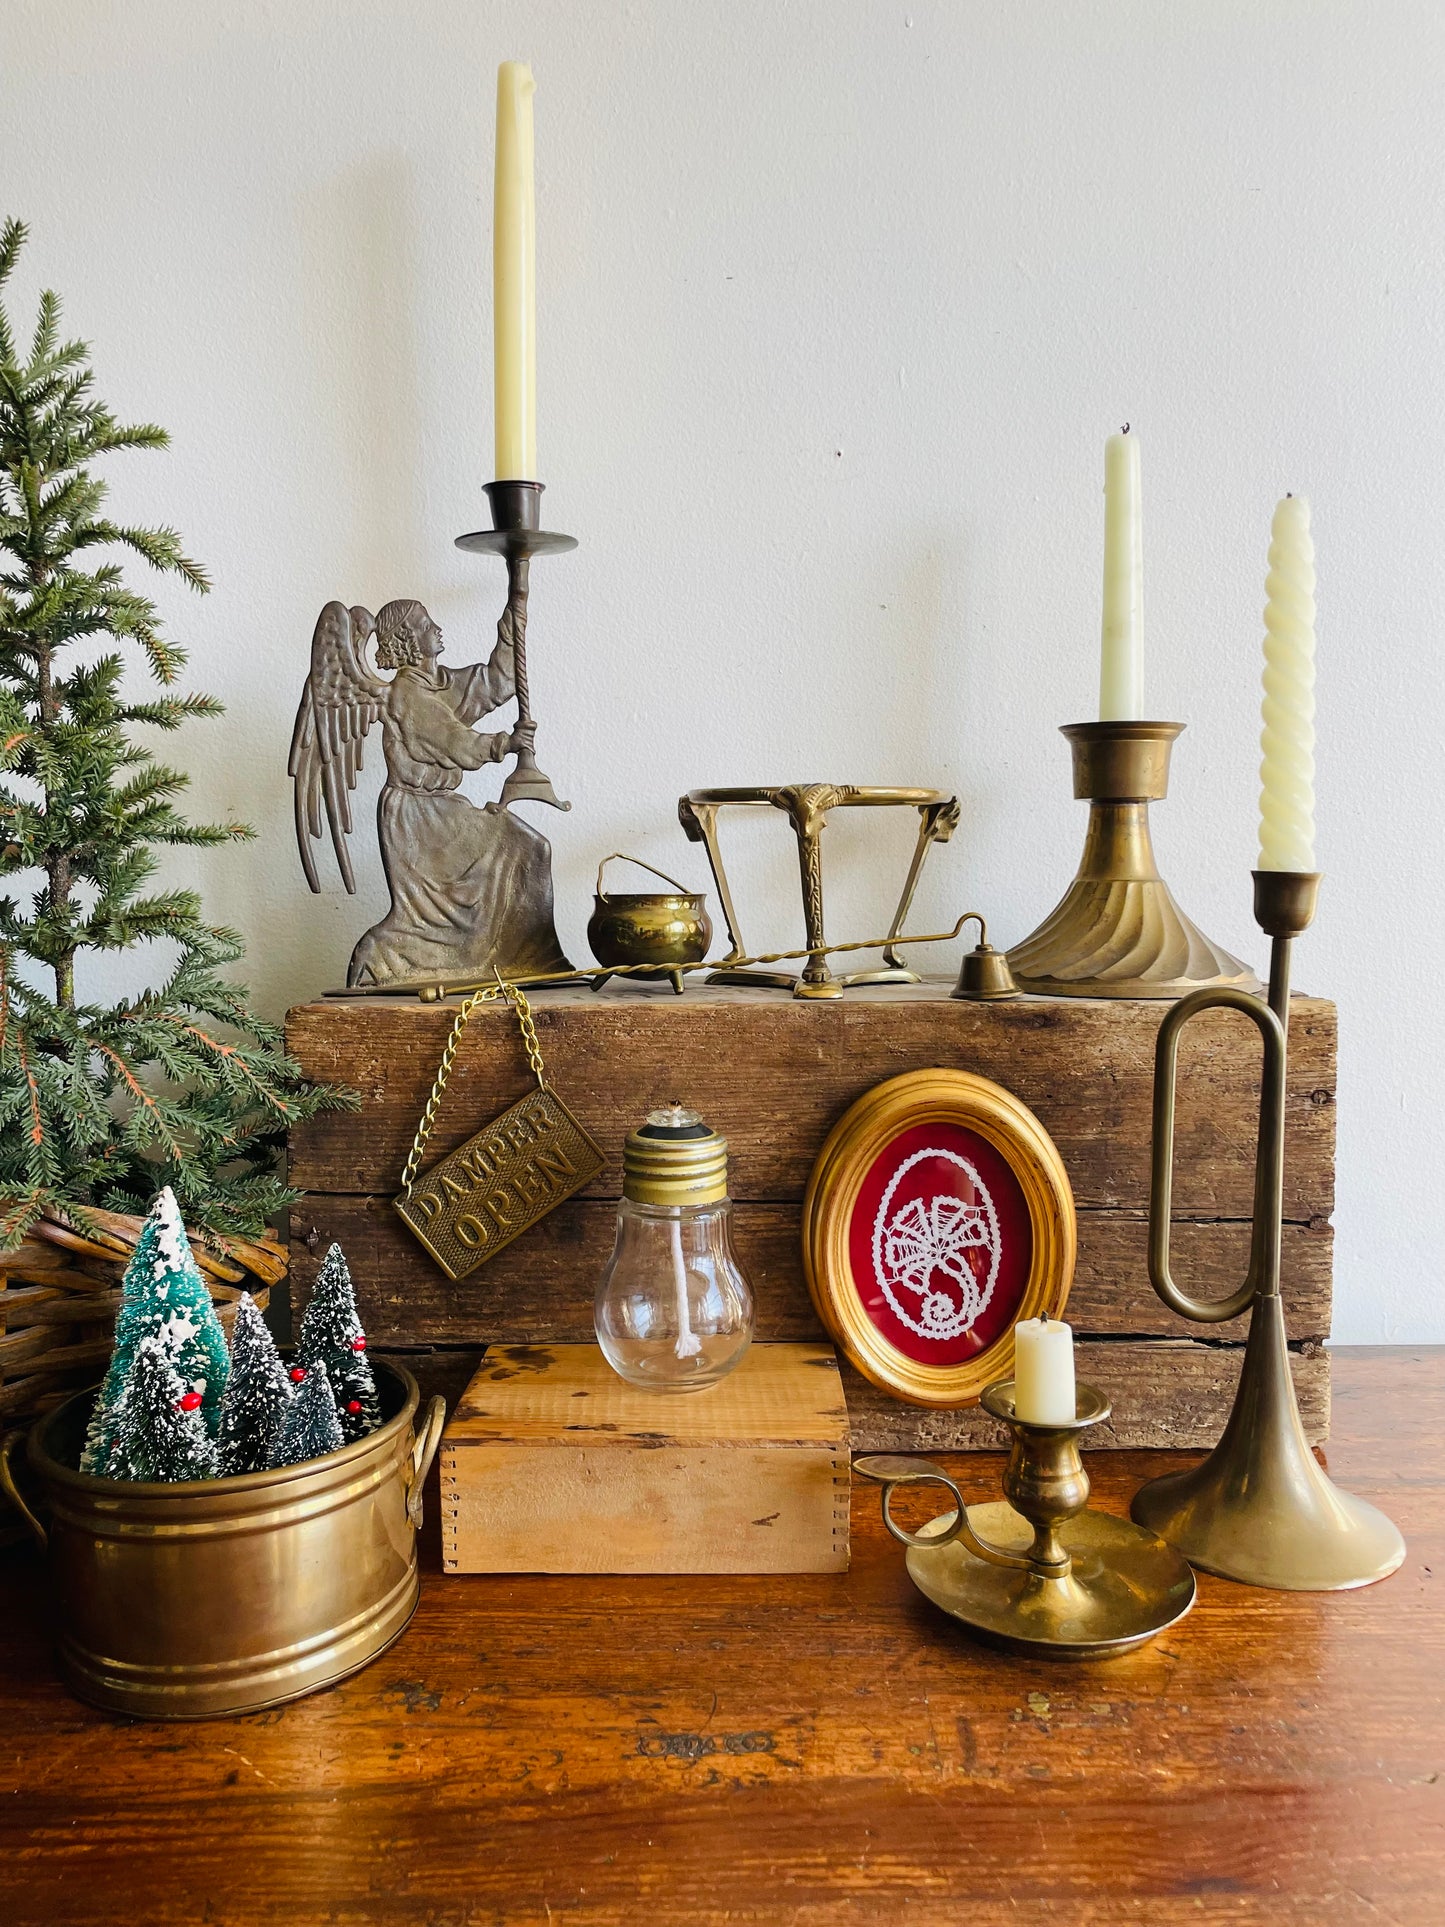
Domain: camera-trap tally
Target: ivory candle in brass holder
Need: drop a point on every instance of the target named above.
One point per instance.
(1260, 1508)
(1041, 1575)
(1118, 931)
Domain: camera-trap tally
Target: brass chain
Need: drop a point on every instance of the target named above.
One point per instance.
(487, 995)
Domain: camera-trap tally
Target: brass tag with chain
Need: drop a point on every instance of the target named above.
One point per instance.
(499, 1183)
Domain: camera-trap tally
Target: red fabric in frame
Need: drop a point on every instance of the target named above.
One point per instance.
(940, 1243)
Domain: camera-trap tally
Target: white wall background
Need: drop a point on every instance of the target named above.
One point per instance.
(838, 302)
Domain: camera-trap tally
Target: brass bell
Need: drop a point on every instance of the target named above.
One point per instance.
(985, 977)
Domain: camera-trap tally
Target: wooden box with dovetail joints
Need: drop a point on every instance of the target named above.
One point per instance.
(551, 1463)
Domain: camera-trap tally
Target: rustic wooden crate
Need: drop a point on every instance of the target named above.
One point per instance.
(775, 1074)
(552, 1464)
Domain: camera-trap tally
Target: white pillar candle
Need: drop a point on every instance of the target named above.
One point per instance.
(1044, 1371)
(514, 278)
(1287, 740)
(1121, 661)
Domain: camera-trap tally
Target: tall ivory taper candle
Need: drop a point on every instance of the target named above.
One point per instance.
(1121, 661)
(1287, 740)
(514, 277)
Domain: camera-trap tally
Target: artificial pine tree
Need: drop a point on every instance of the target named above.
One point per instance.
(256, 1396)
(310, 1425)
(162, 1433)
(163, 1297)
(182, 1085)
(331, 1335)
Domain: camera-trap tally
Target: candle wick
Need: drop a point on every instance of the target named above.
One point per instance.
(1289, 495)
(1125, 429)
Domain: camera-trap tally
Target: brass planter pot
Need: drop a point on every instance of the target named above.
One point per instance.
(186, 1602)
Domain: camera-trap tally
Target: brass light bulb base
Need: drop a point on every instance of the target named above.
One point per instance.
(1041, 1575)
(1118, 931)
(1260, 1508)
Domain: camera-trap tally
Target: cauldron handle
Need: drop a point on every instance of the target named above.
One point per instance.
(9, 1445)
(621, 856)
(423, 1451)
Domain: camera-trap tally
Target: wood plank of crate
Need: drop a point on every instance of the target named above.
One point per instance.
(539, 1290)
(776, 1074)
(1172, 1394)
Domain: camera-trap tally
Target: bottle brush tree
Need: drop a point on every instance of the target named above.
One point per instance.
(162, 1432)
(256, 1396)
(164, 1302)
(103, 1103)
(331, 1335)
(309, 1425)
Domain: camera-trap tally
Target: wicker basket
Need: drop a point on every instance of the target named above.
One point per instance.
(60, 1291)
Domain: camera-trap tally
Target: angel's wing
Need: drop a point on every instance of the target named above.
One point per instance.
(340, 702)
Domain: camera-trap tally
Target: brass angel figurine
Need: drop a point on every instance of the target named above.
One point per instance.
(471, 887)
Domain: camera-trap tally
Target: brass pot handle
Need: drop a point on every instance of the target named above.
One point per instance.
(9, 1445)
(423, 1451)
(889, 1470)
(621, 856)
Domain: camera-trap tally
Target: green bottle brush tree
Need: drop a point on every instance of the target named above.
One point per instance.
(102, 1104)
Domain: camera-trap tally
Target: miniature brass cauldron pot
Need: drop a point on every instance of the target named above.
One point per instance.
(185, 1602)
(662, 928)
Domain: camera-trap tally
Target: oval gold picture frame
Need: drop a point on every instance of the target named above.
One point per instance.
(855, 1142)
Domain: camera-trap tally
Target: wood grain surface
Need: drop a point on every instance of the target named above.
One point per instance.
(552, 1463)
(802, 1752)
(539, 1290)
(775, 1075)
(1166, 1392)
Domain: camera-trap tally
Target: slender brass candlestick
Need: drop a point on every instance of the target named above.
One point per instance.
(1118, 931)
(517, 535)
(1042, 1574)
(1260, 1508)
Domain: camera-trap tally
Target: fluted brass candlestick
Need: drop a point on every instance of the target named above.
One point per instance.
(1118, 931)
(1043, 1574)
(1260, 1508)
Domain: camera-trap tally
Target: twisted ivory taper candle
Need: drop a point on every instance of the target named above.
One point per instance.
(1287, 740)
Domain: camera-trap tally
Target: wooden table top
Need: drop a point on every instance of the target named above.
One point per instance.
(800, 1750)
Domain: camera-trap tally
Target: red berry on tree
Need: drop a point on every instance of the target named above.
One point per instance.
(190, 1403)
(359, 1344)
(353, 1405)
(298, 1373)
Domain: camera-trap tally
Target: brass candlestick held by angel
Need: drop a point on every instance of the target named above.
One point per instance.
(471, 887)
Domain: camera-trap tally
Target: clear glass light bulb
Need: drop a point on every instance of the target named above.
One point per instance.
(674, 1312)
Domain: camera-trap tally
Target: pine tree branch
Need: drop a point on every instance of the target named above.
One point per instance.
(37, 1129)
(99, 1107)
(160, 547)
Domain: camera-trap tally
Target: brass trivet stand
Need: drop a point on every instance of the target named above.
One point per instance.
(806, 805)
